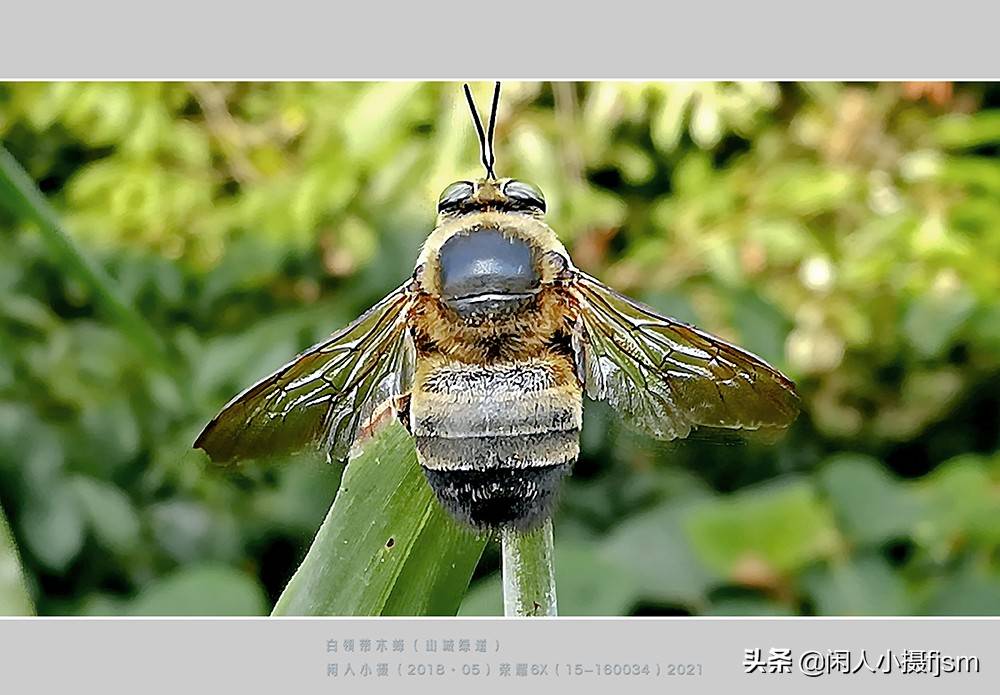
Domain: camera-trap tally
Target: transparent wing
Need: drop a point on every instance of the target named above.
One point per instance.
(666, 377)
(319, 399)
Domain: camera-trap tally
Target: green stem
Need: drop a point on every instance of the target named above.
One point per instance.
(529, 583)
(20, 195)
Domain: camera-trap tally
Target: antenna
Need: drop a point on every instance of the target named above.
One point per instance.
(485, 137)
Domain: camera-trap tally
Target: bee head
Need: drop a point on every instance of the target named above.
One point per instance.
(489, 192)
(501, 195)
(490, 253)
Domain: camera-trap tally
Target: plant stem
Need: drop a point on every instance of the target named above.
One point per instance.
(529, 583)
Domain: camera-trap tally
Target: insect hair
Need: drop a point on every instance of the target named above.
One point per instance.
(485, 136)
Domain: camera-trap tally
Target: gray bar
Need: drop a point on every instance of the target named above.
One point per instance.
(516, 39)
(689, 655)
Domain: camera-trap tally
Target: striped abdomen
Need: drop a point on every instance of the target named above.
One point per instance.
(495, 440)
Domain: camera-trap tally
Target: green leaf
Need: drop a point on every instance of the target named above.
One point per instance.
(776, 527)
(806, 189)
(484, 598)
(14, 598)
(53, 527)
(187, 531)
(932, 320)
(753, 606)
(963, 503)
(591, 584)
(963, 130)
(428, 583)
(762, 328)
(109, 511)
(386, 545)
(971, 592)
(202, 590)
(975, 172)
(870, 506)
(654, 549)
(865, 585)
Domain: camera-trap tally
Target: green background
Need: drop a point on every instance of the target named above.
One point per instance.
(850, 234)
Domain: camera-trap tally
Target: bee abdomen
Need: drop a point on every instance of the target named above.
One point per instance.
(537, 450)
(458, 401)
(492, 498)
(495, 481)
(495, 442)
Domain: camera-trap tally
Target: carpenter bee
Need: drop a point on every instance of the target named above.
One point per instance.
(485, 354)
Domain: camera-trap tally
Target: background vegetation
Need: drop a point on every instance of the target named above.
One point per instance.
(848, 233)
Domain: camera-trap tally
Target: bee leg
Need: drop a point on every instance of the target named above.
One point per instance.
(397, 406)
(401, 405)
(578, 341)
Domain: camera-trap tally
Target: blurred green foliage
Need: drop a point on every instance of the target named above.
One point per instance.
(848, 233)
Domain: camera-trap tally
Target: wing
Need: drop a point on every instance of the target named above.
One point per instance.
(320, 398)
(666, 377)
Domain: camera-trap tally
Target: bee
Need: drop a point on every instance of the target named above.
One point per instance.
(485, 354)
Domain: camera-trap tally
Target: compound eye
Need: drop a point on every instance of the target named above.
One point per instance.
(454, 195)
(524, 195)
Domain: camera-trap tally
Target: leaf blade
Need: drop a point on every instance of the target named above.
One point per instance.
(368, 560)
(14, 597)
